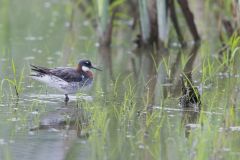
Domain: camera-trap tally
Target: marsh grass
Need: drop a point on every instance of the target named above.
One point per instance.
(125, 126)
(120, 126)
(117, 120)
(16, 82)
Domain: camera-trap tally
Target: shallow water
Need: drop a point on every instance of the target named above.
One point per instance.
(114, 119)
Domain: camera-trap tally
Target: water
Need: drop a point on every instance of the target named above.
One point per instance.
(115, 120)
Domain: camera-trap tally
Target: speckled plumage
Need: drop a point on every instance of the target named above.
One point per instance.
(190, 95)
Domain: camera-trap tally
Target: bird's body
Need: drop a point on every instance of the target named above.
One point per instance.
(190, 95)
(65, 79)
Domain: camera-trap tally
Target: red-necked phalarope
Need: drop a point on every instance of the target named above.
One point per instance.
(65, 79)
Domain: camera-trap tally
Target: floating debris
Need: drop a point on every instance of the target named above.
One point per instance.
(83, 38)
(235, 128)
(3, 59)
(31, 133)
(141, 146)
(192, 125)
(67, 24)
(53, 130)
(47, 4)
(29, 58)
(97, 44)
(35, 113)
(51, 24)
(40, 38)
(2, 141)
(29, 86)
(129, 136)
(83, 142)
(58, 53)
(39, 51)
(171, 115)
(11, 141)
(86, 23)
(167, 84)
(231, 128)
(30, 38)
(15, 119)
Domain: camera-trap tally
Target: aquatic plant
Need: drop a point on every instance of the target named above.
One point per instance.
(16, 82)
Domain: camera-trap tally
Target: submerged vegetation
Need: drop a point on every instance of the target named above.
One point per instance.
(152, 53)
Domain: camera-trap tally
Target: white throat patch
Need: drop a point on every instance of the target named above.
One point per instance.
(85, 69)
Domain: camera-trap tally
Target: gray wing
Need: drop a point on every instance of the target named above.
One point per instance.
(66, 73)
(71, 75)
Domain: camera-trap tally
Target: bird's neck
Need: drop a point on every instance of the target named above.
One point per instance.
(89, 74)
(79, 68)
(85, 71)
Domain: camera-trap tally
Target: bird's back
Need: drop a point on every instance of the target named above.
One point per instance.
(66, 79)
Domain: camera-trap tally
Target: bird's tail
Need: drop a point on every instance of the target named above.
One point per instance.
(39, 70)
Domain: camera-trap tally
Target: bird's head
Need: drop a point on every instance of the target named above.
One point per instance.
(86, 65)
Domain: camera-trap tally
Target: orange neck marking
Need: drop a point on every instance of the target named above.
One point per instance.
(89, 74)
(79, 68)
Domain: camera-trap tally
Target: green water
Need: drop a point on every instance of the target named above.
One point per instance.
(111, 121)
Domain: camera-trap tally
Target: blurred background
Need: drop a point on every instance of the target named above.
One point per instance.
(132, 112)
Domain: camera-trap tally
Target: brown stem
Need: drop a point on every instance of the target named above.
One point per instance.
(193, 54)
(17, 94)
(228, 27)
(175, 21)
(189, 18)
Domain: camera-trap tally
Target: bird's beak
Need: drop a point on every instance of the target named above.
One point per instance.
(96, 68)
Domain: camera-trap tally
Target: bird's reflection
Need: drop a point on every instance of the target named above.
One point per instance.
(70, 116)
(189, 121)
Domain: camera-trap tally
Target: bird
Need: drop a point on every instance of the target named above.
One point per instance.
(67, 80)
(190, 94)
